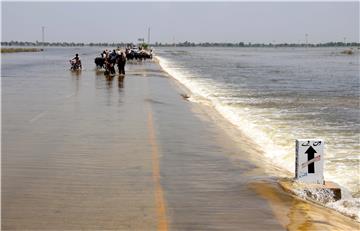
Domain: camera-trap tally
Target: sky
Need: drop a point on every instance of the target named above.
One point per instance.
(256, 22)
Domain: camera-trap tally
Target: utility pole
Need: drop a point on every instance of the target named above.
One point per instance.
(43, 35)
(306, 39)
(148, 36)
(344, 41)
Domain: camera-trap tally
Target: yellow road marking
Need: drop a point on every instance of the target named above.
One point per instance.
(162, 223)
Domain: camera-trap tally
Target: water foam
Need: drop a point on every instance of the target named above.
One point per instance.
(242, 121)
(277, 155)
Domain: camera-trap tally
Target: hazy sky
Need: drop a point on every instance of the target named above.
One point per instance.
(169, 21)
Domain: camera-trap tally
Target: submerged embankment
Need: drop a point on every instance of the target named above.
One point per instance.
(275, 96)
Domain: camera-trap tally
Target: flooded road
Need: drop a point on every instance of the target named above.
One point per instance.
(85, 151)
(67, 162)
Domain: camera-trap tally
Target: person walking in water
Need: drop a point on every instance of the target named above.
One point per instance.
(121, 61)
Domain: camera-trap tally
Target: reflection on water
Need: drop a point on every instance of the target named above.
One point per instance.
(110, 86)
(100, 77)
(121, 82)
(109, 80)
(76, 79)
(99, 72)
(76, 73)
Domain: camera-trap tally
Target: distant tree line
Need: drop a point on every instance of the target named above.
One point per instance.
(63, 44)
(182, 44)
(60, 44)
(242, 44)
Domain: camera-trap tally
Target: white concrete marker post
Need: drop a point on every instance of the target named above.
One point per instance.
(309, 166)
(309, 169)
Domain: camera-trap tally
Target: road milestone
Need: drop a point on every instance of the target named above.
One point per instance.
(309, 173)
(309, 166)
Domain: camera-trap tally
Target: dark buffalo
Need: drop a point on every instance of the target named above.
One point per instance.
(138, 55)
(99, 61)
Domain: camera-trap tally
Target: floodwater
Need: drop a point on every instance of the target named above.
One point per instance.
(277, 95)
(66, 161)
(85, 151)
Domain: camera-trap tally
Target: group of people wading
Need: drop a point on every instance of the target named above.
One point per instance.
(108, 59)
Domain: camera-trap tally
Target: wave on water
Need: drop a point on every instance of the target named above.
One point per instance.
(274, 153)
(203, 92)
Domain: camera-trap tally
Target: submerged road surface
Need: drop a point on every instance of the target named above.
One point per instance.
(85, 151)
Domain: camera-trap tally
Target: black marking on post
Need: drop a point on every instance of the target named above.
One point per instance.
(311, 153)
